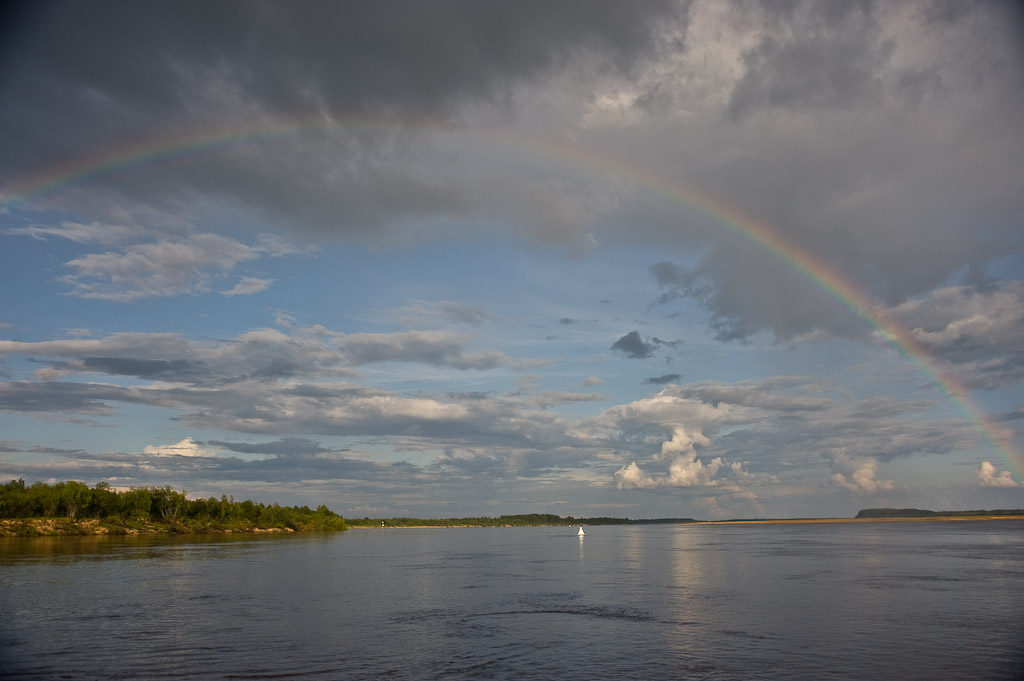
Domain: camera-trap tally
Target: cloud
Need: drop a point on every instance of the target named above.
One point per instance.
(289, 446)
(990, 478)
(247, 286)
(635, 347)
(161, 269)
(94, 232)
(821, 58)
(440, 348)
(858, 474)
(980, 332)
(186, 447)
(420, 312)
(685, 469)
(276, 246)
(662, 380)
(729, 283)
(362, 72)
(262, 354)
(59, 397)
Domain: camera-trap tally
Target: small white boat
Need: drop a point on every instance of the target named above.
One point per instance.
(581, 533)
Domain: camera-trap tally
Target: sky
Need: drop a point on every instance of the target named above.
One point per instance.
(701, 259)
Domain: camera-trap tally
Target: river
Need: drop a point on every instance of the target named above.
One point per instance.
(902, 601)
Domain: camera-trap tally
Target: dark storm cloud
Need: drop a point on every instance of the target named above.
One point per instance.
(86, 79)
(408, 55)
(823, 55)
(846, 132)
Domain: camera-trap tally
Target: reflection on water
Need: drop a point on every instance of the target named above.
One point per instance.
(124, 547)
(883, 601)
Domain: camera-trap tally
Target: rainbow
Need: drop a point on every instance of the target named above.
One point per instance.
(157, 150)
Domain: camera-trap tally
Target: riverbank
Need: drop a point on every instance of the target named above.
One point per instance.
(58, 527)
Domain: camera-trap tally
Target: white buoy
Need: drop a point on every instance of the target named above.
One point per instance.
(581, 533)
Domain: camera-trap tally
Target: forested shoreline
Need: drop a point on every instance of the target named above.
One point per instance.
(75, 508)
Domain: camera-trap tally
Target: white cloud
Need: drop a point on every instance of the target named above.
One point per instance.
(247, 286)
(186, 447)
(858, 474)
(276, 246)
(685, 470)
(94, 232)
(990, 478)
(161, 269)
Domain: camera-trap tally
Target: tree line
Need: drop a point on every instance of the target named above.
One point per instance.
(517, 520)
(164, 506)
(923, 513)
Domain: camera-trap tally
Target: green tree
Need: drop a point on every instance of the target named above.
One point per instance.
(46, 497)
(15, 501)
(168, 502)
(105, 501)
(74, 496)
(138, 502)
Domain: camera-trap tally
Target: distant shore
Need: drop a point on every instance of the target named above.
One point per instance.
(909, 519)
(769, 521)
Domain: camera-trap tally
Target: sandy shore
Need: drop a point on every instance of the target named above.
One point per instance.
(925, 519)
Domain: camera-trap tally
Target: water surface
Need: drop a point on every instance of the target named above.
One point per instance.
(905, 601)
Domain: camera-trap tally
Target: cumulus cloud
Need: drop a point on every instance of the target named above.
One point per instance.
(858, 474)
(186, 447)
(685, 469)
(990, 477)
